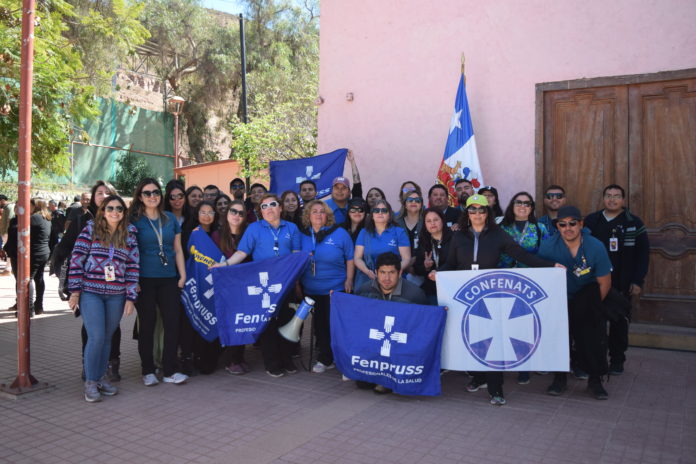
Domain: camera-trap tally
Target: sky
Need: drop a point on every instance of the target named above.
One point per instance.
(228, 6)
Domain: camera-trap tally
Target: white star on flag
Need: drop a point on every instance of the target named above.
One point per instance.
(456, 120)
(500, 328)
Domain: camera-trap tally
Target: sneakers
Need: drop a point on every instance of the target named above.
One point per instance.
(235, 369)
(105, 388)
(289, 367)
(556, 388)
(523, 378)
(597, 390)
(246, 367)
(381, 390)
(275, 372)
(474, 387)
(177, 378)
(580, 374)
(320, 368)
(498, 400)
(150, 380)
(616, 369)
(92, 394)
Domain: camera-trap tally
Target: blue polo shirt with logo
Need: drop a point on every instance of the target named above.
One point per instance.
(596, 259)
(330, 256)
(340, 214)
(259, 238)
(375, 244)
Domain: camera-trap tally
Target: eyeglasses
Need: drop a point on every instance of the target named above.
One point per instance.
(206, 213)
(477, 210)
(111, 209)
(408, 189)
(151, 193)
(237, 186)
(176, 196)
(235, 212)
(618, 196)
(557, 196)
(563, 225)
(380, 210)
(272, 204)
(414, 200)
(356, 210)
(527, 204)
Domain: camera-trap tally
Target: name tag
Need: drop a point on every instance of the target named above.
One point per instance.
(613, 244)
(109, 273)
(474, 267)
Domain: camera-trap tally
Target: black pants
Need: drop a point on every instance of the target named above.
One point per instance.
(115, 343)
(233, 355)
(618, 340)
(162, 293)
(494, 380)
(275, 350)
(322, 328)
(206, 354)
(186, 334)
(36, 273)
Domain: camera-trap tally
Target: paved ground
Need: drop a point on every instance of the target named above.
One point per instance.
(309, 418)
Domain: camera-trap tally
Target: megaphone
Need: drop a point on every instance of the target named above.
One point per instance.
(291, 330)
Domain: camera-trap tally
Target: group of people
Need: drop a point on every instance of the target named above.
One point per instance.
(118, 258)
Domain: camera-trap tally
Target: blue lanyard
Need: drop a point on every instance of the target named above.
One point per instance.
(111, 253)
(276, 244)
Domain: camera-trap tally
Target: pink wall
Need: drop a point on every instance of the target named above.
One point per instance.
(401, 60)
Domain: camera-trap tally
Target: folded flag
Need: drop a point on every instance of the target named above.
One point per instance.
(322, 169)
(247, 295)
(395, 345)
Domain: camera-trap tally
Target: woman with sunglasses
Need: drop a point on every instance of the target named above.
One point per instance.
(408, 187)
(477, 245)
(291, 207)
(380, 235)
(175, 200)
(357, 214)
(162, 275)
(267, 238)
(227, 238)
(410, 218)
(330, 269)
(491, 194)
(195, 350)
(103, 282)
(434, 247)
(520, 223)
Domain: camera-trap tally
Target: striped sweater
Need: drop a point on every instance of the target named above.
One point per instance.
(89, 258)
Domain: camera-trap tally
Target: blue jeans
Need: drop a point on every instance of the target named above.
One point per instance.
(101, 315)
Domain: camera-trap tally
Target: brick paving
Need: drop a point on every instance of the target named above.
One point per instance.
(650, 416)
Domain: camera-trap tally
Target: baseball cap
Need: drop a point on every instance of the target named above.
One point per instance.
(568, 212)
(341, 180)
(476, 200)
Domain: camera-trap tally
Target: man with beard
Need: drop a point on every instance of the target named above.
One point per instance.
(554, 199)
(438, 199)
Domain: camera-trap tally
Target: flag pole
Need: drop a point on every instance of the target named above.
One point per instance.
(463, 63)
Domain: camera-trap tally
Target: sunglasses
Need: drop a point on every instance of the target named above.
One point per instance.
(563, 225)
(551, 196)
(380, 210)
(111, 209)
(408, 189)
(527, 204)
(272, 204)
(151, 193)
(235, 212)
(176, 196)
(476, 210)
(356, 210)
(237, 187)
(414, 200)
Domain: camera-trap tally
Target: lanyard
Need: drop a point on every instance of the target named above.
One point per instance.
(158, 234)
(520, 237)
(314, 241)
(111, 253)
(476, 245)
(276, 244)
(436, 254)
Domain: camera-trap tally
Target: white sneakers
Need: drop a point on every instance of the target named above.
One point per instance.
(320, 368)
(177, 379)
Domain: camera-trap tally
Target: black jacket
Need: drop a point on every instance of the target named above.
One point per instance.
(630, 261)
(405, 292)
(492, 243)
(63, 249)
(429, 286)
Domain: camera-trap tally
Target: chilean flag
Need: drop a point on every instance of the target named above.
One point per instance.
(461, 159)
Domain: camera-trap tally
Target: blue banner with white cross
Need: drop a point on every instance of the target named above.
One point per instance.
(321, 169)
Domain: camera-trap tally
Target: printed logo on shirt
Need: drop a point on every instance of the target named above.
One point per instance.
(287, 235)
(330, 241)
(392, 243)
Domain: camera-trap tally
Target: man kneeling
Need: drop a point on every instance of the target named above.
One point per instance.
(389, 286)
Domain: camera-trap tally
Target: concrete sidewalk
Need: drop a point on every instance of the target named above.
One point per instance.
(650, 416)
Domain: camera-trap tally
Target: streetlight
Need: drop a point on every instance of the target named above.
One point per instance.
(176, 106)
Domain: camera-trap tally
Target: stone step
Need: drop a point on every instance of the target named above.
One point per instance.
(662, 336)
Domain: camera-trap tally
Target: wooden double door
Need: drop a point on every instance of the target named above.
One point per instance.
(638, 132)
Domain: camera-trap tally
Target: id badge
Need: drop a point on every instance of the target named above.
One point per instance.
(579, 272)
(474, 267)
(314, 267)
(613, 244)
(109, 273)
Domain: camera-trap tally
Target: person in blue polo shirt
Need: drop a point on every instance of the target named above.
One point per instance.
(340, 194)
(269, 238)
(331, 269)
(380, 235)
(588, 276)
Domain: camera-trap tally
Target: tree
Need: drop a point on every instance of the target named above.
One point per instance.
(67, 38)
(131, 169)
